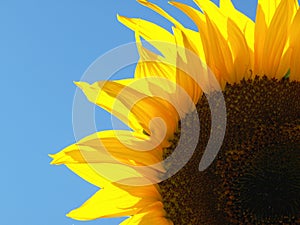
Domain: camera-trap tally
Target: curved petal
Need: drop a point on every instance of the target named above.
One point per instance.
(259, 39)
(189, 67)
(101, 98)
(195, 37)
(212, 11)
(245, 24)
(220, 50)
(153, 214)
(276, 38)
(124, 147)
(206, 53)
(240, 52)
(295, 48)
(273, 17)
(134, 108)
(113, 201)
(161, 12)
(268, 8)
(160, 38)
(151, 64)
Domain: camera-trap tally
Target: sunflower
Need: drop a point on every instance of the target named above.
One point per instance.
(255, 177)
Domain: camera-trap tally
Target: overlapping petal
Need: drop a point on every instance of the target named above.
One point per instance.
(271, 36)
(152, 214)
(124, 147)
(113, 201)
(295, 48)
(134, 108)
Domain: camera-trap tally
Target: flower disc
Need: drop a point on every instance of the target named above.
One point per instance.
(255, 178)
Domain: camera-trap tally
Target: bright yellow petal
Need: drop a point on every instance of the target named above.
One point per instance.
(113, 201)
(160, 38)
(194, 37)
(161, 12)
(273, 18)
(151, 64)
(259, 34)
(212, 11)
(285, 62)
(275, 39)
(133, 107)
(189, 69)
(245, 24)
(103, 174)
(240, 51)
(88, 173)
(268, 8)
(295, 48)
(204, 52)
(220, 51)
(153, 214)
(112, 147)
(144, 108)
(195, 43)
(206, 56)
(148, 30)
(101, 98)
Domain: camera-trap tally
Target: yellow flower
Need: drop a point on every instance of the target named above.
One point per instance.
(255, 178)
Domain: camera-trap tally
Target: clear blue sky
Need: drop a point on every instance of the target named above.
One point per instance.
(45, 46)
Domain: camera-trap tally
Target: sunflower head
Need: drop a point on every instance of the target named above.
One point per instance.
(200, 166)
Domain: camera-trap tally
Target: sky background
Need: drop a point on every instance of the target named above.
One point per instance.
(44, 47)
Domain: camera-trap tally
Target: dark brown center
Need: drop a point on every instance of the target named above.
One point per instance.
(255, 178)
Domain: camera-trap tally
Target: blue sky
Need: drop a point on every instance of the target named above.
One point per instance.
(45, 46)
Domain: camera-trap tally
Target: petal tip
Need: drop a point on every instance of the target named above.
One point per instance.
(81, 84)
(77, 83)
(69, 214)
(119, 17)
(142, 1)
(55, 159)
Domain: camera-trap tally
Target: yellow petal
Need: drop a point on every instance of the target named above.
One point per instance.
(245, 24)
(285, 62)
(259, 34)
(194, 39)
(192, 36)
(206, 56)
(153, 214)
(240, 52)
(160, 11)
(215, 60)
(151, 64)
(109, 103)
(113, 201)
(134, 108)
(220, 50)
(273, 18)
(212, 11)
(112, 147)
(144, 108)
(276, 37)
(160, 38)
(295, 48)
(88, 173)
(268, 8)
(148, 30)
(189, 69)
